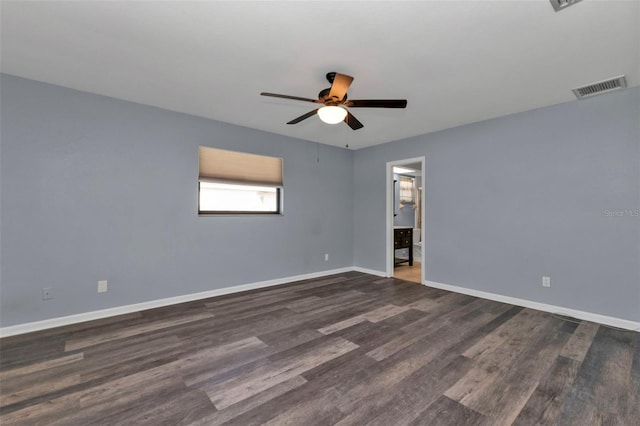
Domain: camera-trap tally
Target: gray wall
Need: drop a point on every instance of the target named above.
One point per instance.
(96, 188)
(515, 198)
(405, 216)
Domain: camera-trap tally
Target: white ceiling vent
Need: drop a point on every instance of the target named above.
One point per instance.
(600, 87)
(558, 5)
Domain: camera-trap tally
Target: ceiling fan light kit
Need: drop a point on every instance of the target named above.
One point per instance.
(332, 114)
(335, 103)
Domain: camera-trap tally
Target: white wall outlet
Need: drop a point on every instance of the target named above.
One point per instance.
(47, 293)
(102, 286)
(326, 257)
(546, 281)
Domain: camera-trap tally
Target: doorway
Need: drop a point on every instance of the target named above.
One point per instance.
(405, 246)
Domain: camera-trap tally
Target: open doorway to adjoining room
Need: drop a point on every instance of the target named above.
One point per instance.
(405, 219)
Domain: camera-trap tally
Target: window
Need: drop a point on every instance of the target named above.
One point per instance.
(406, 189)
(223, 197)
(238, 183)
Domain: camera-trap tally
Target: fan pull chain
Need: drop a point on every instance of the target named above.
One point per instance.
(347, 139)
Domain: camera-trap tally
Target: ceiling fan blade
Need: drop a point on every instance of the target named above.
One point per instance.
(340, 85)
(295, 98)
(353, 122)
(377, 103)
(303, 117)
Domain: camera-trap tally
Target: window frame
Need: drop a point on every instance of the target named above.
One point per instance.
(278, 211)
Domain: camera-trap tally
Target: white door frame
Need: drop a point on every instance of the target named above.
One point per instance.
(390, 207)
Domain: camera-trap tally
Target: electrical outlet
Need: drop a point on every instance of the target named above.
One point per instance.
(326, 257)
(47, 293)
(102, 286)
(546, 281)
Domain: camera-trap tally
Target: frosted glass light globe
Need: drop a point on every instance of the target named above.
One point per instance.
(332, 114)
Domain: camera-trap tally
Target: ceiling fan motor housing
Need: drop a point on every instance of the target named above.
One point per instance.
(324, 97)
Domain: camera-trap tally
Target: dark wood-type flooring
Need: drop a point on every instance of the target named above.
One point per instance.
(349, 349)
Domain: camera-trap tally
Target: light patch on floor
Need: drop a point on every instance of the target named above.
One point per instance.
(408, 273)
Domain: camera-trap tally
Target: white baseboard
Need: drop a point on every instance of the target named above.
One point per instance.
(127, 309)
(369, 271)
(588, 316)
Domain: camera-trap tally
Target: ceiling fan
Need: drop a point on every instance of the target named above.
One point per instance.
(335, 102)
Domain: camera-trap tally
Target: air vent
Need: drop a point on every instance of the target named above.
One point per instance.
(559, 5)
(600, 87)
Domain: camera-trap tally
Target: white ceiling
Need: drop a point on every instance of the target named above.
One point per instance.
(455, 61)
